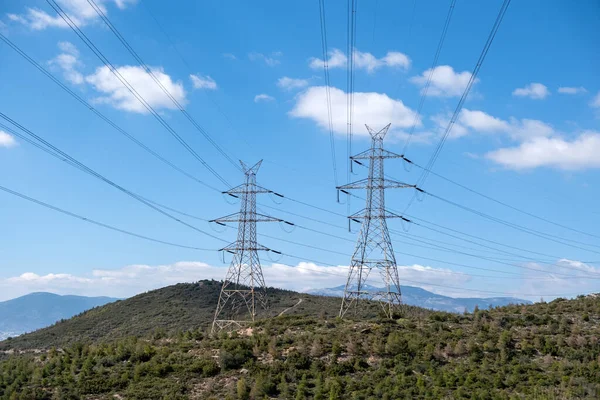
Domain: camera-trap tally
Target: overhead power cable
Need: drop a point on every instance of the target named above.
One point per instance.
(412, 217)
(101, 115)
(101, 224)
(323, 21)
(435, 247)
(465, 93)
(431, 71)
(424, 283)
(110, 227)
(534, 232)
(65, 17)
(503, 203)
(135, 55)
(44, 145)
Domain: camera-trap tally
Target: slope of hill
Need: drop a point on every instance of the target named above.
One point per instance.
(170, 309)
(415, 296)
(37, 310)
(538, 351)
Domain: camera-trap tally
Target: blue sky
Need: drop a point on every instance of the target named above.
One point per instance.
(529, 135)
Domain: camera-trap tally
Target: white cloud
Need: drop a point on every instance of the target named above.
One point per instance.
(7, 140)
(117, 95)
(475, 121)
(557, 284)
(445, 82)
(366, 61)
(337, 59)
(572, 90)
(287, 83)
(80, 11)
(133, 279)
(374, 109)
(271, 60)
(263, 98)
(230, 56)
(203, 82)
(595, 103)
(582, 152)
(68, 62)
(535, 91)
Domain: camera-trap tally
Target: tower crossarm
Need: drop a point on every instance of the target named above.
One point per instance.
(368, 154)
(237, 246)
(364, 214)
(244, 217)
(374, 184)
(247, 189)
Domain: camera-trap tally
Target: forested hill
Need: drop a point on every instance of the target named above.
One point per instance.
(167, 310)
(539, 351)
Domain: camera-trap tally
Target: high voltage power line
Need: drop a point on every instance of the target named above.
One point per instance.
(101, 115)
(463, 98)
(54, 151)
(350, 95)
(131, 89)
(323, 21)
(94, 222)
(436, 247)
(547, 236)
(503, 203)
(113, 228)
(89, 106)
(135, 55)
(431, 72)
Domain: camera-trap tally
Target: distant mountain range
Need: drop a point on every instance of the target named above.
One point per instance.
(416, 296)
(38, 310)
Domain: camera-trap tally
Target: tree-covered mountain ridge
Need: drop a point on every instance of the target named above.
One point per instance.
(538, 351)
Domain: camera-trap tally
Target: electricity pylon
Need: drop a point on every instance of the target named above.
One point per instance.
(244, 285)
(374, 248)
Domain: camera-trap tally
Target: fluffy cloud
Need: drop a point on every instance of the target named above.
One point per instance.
(572, 90)
(535, 91)
(475, 121)
(271, 60)
(337, 59)
(552, 284)
(80, 11)
(374, 109)
(230, 56)
(579, 153)
(263, 98)
(203, 82)
(117, 95)
(366, 61)
(132, 279)
(445, 82)
(68, 62)
(7, 140)
(595, 103)
(287, 83)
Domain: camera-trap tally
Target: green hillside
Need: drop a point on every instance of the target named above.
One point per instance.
(540, 351)
(167, 310)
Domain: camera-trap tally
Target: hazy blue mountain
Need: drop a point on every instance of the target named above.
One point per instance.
(38, 310)
(416, 296)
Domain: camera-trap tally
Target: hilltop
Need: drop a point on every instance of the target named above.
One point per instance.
(539, 351)
(168, 310)
(155, 346)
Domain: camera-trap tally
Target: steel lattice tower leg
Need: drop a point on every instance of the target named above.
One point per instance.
(243, 289)
(373, 250)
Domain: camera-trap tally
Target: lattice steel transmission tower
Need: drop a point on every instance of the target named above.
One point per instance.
(244, 285)
(374, 248)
